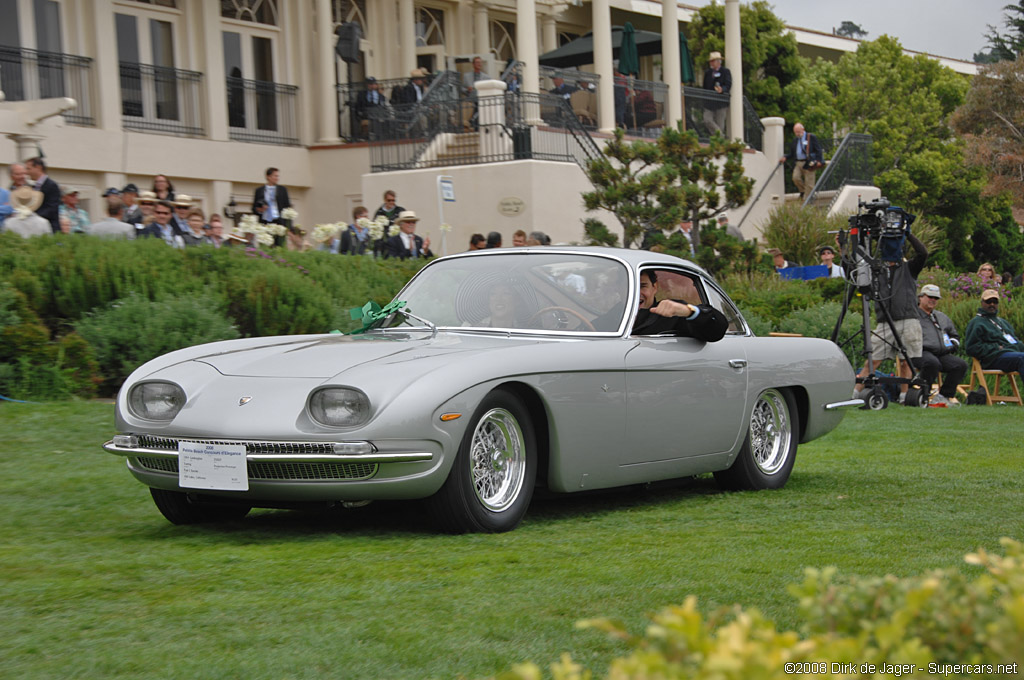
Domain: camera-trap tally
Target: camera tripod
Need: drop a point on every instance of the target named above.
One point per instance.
(863, 275)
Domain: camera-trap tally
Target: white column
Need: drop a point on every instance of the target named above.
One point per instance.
(214, 79)
(670, 61)
(602, 23)
(407, 31)
(481, 30)
(107, 105)
(548, 33)
(327, 96)
(526, 43)
(734, 61)
(491, 107)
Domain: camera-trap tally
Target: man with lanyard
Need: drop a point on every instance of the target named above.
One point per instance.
(939, 340)
(992, 340)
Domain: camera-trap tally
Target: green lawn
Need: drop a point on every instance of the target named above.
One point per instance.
(96, 584)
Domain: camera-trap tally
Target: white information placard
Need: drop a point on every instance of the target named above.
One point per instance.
(212, 466)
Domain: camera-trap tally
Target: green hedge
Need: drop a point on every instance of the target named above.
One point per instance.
(940, 624)
(79, 313)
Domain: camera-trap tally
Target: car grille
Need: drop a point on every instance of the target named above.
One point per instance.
(297, 471)
(171, 444)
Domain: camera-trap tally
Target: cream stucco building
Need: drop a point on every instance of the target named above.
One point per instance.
(212, 93)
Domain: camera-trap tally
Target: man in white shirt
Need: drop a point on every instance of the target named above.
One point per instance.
(406, 243)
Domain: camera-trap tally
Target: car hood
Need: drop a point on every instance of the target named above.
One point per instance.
(326, 356)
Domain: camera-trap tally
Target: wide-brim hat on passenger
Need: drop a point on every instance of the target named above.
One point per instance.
(26, 197)
(406, 216)
(182, 201)
(989, 294)
(931, 290)
(715, 55)
(147, 197)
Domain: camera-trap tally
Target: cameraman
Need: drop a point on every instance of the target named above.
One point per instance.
(897, 292)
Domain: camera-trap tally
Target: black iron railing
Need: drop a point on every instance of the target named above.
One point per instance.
(851, 164)
(31, 74)
(161, 99)
(464, 131)
(263, 112)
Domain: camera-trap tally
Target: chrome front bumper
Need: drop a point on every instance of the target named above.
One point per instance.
(267, 452)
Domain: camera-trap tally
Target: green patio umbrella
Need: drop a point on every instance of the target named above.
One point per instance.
(686, 73)
(629, 57)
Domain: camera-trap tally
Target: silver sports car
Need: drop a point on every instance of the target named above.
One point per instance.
(490, 374)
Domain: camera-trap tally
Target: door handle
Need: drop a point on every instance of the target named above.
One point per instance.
(737, 363)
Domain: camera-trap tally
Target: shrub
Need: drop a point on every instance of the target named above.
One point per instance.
(931, 622)
(798, 232)
(820, 320)
(769, 296)
(134, 330)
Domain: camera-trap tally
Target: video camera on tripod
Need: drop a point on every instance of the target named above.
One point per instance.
(871, 246)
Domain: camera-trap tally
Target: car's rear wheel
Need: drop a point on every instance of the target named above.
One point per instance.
(180, 508)
(766, 458)
(491, 483)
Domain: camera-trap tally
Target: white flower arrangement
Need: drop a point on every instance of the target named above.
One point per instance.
(275, 229)
(377, 229)
(250, 224)
(364, 223)
(290, 214)
(446, 228)
(22, 212)
(383, 221)
(325, 232)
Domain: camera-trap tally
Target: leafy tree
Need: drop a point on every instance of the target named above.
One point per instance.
(906, 103)
(769, 50)
(1005, 46)
(848, 29)
(653, 186)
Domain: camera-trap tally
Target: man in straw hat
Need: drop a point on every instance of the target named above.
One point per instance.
(718, 79)
(413, 91)
(24, 221)
(406, 243)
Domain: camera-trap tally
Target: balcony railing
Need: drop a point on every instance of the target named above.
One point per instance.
(161, 99)
(263, 112)
(30, 74)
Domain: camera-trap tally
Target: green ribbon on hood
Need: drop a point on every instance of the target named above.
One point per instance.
(372, 312)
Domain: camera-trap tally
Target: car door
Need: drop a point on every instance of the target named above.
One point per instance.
(685, 398)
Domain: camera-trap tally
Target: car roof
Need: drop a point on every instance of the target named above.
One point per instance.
(632, 258)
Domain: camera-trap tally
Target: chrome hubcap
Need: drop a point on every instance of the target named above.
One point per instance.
(771, 432)
(497, 458)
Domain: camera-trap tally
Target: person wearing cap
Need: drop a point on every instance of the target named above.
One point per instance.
(779, 260)
(828, 256)
(719, 79)
(730, 229)
(406, 243)
(413, 91)
(78, 218)
(992, 340)
(131, 213)
(939, 341)
(111, 227)
(40, 181)
(24, 221)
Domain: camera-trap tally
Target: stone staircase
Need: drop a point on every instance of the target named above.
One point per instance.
(462, 147)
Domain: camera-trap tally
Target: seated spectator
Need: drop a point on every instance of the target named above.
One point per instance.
(477, 242)
(215, 234)
(24, 221)
(986, 272)
(196, 233)
(493, 240)
(78, 218)
(828, 256)
(992, 340)
(939, 342)
(562, 88)
(779, 260)
(111, 227)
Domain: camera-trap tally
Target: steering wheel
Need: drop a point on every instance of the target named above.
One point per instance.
(579, 316)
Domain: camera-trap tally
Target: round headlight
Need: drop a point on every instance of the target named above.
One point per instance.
(156, 400)
(339, 407)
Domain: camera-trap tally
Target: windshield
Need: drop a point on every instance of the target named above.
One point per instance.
(519, 292)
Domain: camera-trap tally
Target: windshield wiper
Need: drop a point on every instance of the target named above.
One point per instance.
(410, 315)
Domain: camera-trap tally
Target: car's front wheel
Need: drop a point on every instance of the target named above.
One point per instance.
(769, 451)
(491, 483)
(180, 508)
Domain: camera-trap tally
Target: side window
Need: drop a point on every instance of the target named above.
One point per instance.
(719, 302)
(677, 285)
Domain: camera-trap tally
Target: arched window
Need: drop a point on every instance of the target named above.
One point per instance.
(503, 40)
(257, 11)
(346, 11)
(429, 26)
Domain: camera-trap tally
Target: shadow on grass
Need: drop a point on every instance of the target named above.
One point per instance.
(400, 519)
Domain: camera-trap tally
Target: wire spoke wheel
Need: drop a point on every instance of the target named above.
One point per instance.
(498, 459)
(770, 432)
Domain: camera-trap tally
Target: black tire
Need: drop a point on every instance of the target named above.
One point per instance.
(491, 482)
(916, 397)
(876, 400)
(181, 508)
(766, 458)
